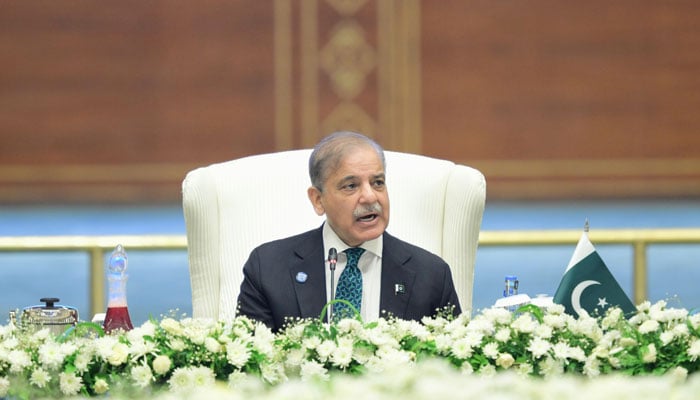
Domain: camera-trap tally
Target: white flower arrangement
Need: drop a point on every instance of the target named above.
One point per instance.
(195, 355)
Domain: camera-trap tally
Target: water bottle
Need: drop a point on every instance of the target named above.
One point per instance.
(511, 286)
(117, 316)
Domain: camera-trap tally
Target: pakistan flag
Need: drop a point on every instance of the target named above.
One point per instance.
(588, 284)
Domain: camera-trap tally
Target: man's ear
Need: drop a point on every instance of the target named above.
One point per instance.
(315, 198)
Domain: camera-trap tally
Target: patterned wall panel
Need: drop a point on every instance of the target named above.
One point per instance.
(116, 101)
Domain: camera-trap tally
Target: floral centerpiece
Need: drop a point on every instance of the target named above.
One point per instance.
(177, 355)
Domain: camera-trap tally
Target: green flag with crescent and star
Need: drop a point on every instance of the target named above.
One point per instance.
(588, 284)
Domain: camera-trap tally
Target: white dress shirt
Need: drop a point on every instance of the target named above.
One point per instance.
(370, 264)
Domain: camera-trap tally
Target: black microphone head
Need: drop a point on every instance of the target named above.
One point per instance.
(332, 255)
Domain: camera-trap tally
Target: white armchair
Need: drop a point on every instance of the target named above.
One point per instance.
(232, 207)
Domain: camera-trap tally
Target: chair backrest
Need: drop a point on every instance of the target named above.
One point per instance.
(232, 207)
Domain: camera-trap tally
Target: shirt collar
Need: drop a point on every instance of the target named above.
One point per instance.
(331, 239)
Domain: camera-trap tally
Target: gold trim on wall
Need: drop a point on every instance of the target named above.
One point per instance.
(592, 178)
(98, 173)
(399, 75)
(348, 59)
(284, 139)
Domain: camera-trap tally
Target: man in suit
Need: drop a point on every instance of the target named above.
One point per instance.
(290, 278)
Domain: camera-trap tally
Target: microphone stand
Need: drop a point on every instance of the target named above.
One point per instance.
(332, 260)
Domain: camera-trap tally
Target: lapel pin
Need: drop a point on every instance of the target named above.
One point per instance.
(399, 288)
(301, 277)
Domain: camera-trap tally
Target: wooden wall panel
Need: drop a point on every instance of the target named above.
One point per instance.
(566, 99)
(116, 101)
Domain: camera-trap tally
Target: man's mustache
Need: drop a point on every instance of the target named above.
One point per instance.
(374, 208)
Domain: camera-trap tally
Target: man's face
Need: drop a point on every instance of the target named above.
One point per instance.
(355, 198)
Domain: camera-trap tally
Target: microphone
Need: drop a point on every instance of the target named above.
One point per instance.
(332, 260)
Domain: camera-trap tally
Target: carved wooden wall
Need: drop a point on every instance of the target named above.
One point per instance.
(116, 101)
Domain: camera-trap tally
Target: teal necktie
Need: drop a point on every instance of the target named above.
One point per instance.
(349, 285)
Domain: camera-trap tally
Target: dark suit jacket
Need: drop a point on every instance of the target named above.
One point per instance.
(270, 290)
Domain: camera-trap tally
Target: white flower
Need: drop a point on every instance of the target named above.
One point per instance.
(498, 315)
(657, 311)
(612, 317)
(362, 354)
(680, 330)
(196, 334)
(461, 348)
(70, 384)
(325, 349)
(474, 339)
(50, 355)
(538, 347)
(488, 370)
(19, 360)
(311, 342)
(466, 368)
(502, 335)
(313, 370)
(272, 372)
(180, 380)
(491, 350)
(39, 378)
(556, 321)
(591, 367)
(349, 325)
(4, 386)
(212, 345)
(524, 323)
(202, 376)
(342, 356)
(263, 340)
(649, 354)
(161, 364)
(10, 343)
(481, 325)
(137, 334)
(561, 351)
(678, 374)
(505, 360)
(41, 335)
(666, 337)
(171, 326)
(551, 367)
(294, 357)
(139, 348)
(388, 356)
(524, 369)
(649, 326)
(142, 375)
(101, 386)
(237, 353)
(443, 342)
(119, 354)
(577, 353)
(177, 344)
(694, 350)
(544, 331)
(643, 307)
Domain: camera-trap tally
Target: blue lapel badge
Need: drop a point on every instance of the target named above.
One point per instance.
(301, 277)
(399, 288)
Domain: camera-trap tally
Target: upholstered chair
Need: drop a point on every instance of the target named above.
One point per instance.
(231, 207)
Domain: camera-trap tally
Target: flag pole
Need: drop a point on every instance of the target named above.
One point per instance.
(586, 226)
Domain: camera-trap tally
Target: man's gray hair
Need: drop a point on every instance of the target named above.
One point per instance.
(330, 151)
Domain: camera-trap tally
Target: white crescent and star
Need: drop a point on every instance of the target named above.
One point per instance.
(577, 292)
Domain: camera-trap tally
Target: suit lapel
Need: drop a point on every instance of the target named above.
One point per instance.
(397, 278)
(308, 276)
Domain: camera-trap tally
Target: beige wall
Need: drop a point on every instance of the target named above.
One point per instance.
(115, 101)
